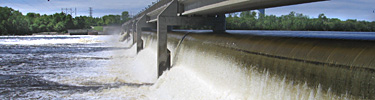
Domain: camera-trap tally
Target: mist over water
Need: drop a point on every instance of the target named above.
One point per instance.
(99, 67)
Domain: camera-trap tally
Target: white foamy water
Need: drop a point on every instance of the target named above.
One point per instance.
(52, 39)
(203, 76)
(195, 76)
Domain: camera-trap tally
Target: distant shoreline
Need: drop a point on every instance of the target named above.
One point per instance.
(61, 33)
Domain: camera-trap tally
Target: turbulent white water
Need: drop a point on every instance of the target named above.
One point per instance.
(55, 39)
(196, 75)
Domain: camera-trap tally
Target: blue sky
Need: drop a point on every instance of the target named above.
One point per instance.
(343, 9)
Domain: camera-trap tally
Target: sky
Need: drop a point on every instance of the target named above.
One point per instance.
(342, 9)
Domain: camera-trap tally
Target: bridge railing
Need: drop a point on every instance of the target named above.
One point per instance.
(158, 4)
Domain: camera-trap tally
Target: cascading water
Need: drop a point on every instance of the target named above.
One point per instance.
(96, 67)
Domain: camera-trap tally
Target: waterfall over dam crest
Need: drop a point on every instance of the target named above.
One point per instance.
(322, 68)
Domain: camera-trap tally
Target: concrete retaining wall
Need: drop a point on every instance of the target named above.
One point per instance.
(78, 31)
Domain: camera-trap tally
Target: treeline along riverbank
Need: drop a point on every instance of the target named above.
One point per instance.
(13, 22)
(248, 20)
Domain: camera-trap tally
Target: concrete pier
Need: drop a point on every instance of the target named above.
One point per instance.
(220, 24)
(163, 54)
(141, 24)
(163, 19)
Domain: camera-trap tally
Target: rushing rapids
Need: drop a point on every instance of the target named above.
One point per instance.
(205, 66)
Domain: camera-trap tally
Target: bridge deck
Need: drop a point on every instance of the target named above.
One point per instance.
(230, 6)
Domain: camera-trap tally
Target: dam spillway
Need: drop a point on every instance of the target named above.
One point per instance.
(340, 66)
(204, 68)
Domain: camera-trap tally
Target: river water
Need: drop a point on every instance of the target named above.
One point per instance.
(99, 67)
(45, 67)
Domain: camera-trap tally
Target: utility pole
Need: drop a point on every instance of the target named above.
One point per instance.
(90, 9)
(75, 12)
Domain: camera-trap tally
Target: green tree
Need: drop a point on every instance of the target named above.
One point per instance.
(248, 20)
(125, 16)
(12, 22)
(111, 19)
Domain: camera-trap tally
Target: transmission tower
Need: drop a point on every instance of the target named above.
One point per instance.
(90, 9)
(69, 11)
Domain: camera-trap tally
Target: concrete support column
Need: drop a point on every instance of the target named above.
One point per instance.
(128, 28)
(163, 55)
(139, 39)
(139, 24)
(134, 32)
(220, 25)
(125, 31)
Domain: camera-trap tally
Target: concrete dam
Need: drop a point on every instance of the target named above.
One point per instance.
(249, 65)
(337, 66)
